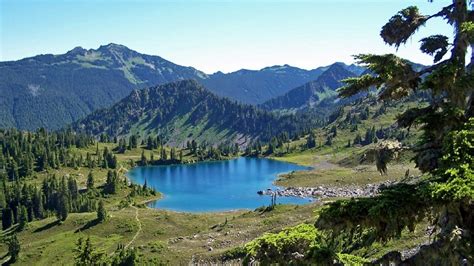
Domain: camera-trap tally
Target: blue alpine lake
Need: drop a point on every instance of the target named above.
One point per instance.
(215, 186)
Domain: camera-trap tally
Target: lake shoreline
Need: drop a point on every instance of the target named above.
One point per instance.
(217, 186)
(324, 192)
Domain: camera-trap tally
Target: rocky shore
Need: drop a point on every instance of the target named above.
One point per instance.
(323, 192)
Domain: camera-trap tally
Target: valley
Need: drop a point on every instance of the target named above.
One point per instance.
(112, 156)
(167, 236)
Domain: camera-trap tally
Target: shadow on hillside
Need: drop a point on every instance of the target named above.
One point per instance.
(47, 226)
(88, 225)
(7, 260)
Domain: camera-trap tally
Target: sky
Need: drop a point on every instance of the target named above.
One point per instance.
(213, 35)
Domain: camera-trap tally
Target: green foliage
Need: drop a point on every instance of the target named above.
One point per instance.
(187, 104)
(394, 73)
(436, 45)
(86, 255)
(77, 83)
(112, 183)
(24, 153)
(355, 85)
(402, 26)
(396, 208)
(348, 259)
(449, 81)
(23, 218)
(101, 212)
(90, 181)
(280, 247)
(315, 94)
(457, 166)
(125, 257)
(14, 247)
(468, 29)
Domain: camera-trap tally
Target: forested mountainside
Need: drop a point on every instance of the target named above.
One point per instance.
(54, 90)
(185, 110)
(319, 93)
(259, 86)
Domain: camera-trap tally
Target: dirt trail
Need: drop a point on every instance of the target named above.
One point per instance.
(139, 227)
(322, 163)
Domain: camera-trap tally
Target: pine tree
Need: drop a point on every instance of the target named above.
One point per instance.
(22, 217)
(143, 160)
(311, 141)
(164, 154)
(84, 253)
(62, 210)
(14, 248)
(125, 256)
(90, 181)
(444, 151)
(173, 154)
(101, 212)
(7, 218)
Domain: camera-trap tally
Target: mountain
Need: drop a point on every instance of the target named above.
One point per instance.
(257, 86)
(54, 90)
(185, 110)
(318, 93)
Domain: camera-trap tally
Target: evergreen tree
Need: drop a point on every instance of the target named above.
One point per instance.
(86, 255)
(90, 181)
(13, 248)
(311, 141)
(23, 218)
(62, 210)
(125, 257)
(101, 212)
(173, 154)
(7, 218)
(164, 154)
(357, 139)
(444, 151)
(111, 184)
(38, 208)
(143, 160)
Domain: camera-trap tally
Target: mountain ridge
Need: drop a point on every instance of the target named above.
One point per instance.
(314, 93)
(185, 110)
(52, 91)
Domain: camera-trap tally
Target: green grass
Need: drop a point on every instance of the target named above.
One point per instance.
(167, 237)
(175, 238)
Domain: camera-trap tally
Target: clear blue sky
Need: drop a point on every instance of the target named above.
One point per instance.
(211, 35)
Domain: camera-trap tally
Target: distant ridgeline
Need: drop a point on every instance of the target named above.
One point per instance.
(185, 110)
(319, 93)
(52, 91)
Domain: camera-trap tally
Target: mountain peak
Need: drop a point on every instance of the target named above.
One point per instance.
(77, 50)
(114, 46)
(279, 68)
(337, 66)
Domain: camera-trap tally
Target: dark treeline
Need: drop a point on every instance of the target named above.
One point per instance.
(156, 108)
(276, 145)
(171, 155)
(22, 153)
(21, 202)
